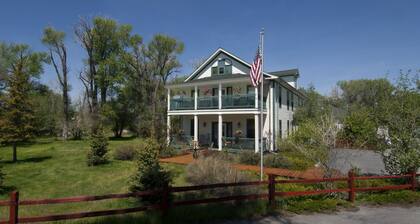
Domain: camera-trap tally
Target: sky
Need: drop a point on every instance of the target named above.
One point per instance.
(327, 41)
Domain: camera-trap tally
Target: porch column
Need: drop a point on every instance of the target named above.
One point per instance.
(195, 97)
(271, 118)
(220, 133)
(168, 129)
(220, 95)
(196, 128)
(256, 132)
(256, 97)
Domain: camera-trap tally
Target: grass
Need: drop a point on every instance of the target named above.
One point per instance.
(405, 197)
(52, 169)
(48, 168)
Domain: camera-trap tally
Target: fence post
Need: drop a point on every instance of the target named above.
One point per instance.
(271, 189)
(165, 200)
(350, 183)
(14, 207)
(413, 180)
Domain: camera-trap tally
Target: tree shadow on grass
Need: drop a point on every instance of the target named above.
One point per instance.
(122, 138)
(27, 160)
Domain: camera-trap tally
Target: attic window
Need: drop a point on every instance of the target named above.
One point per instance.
(224, 66)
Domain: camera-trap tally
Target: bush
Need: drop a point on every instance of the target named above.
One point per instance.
(276, 161)
(149, 174)
(166, 151)
(211, 170)
(125, 152)
(249, 158)
(98, 149)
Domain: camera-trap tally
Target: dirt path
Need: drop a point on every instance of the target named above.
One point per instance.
(307, 174)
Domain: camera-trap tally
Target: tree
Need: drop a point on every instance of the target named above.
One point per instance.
(314, 107)
(316, 140)
(54, 40)
(400, 142)
(21, 65)
(104, 41)
(162, 53)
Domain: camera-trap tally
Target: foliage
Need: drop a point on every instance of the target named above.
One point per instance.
(125, 152)
(149, 174)
(400, 143)
(249, 158)
(98, 149)
(359, 128)
(277, 161)
(316, 140)
(405, 196)
(17, 120)
(166, 151)
(314, 107)
(314, 205)
(54, 40)
(211, 170)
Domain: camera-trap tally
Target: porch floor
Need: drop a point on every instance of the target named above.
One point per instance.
(312, 173)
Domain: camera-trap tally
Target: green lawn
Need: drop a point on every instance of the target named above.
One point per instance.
(51, 169)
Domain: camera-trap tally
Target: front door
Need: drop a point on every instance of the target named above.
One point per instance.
(226, 131)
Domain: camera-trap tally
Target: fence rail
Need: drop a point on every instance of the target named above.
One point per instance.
(14, 202)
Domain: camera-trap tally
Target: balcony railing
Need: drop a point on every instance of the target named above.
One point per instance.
(208, 102)
(182, 103)
(238, 101)
(212, 102)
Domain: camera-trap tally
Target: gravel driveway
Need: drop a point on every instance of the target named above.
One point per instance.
(365, 215)
(368, 161)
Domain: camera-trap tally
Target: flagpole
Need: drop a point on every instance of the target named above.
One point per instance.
(262, 103)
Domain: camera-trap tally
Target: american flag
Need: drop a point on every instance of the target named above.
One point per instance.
(255, 73)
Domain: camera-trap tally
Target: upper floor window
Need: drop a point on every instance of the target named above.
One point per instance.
(279, 96)
(288, 99)
(224, 66)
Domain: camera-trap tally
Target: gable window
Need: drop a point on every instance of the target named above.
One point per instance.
(221, 70)
(224, 66)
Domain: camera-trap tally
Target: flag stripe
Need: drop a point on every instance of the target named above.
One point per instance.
(255, 73)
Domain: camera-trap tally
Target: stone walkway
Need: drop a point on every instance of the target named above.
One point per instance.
(307, 174)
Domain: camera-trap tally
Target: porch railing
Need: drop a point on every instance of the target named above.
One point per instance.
(208, 102)
(212, 102)
(238, 101)
(182, 103)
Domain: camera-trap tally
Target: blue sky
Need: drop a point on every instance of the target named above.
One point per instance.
(327, 40)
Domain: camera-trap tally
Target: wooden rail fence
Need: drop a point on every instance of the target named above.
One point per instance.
(14, 203)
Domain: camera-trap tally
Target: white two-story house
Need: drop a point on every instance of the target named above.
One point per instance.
(218, 107)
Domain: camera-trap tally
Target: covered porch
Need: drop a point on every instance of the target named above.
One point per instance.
(217, 131)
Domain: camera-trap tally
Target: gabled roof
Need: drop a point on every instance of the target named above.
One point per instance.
(212, 57)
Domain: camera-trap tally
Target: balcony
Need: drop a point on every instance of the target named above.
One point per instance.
(237, 101)
(208, 102)
(182, 103)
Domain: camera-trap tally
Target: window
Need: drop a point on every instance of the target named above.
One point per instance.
(279, 96)
(214, 71)
(288, 99)
(280, 130)
(249, 88)
(293, 103)
(224, 66)
(288, 127)
(221, 70)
